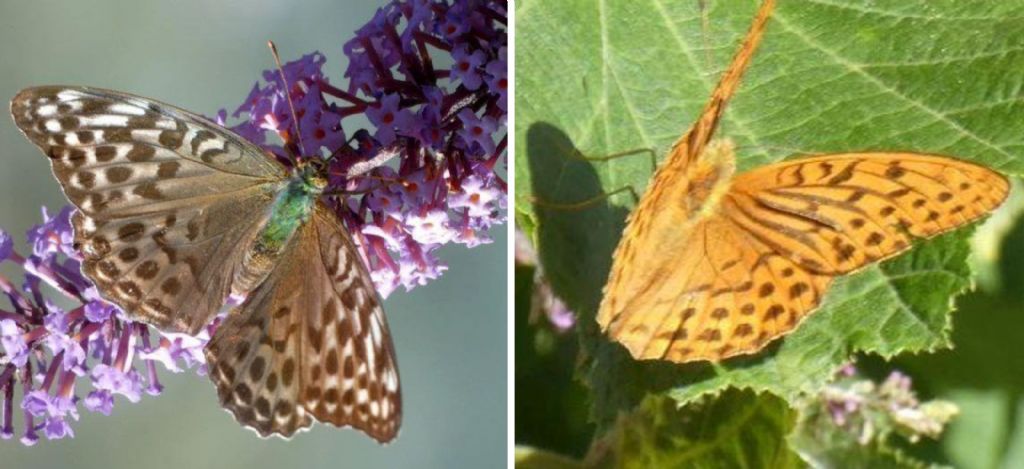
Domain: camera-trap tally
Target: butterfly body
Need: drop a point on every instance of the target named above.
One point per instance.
(177, 215)
(291, 208)
(671, 208)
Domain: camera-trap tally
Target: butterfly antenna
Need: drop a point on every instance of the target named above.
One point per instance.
(287, 94)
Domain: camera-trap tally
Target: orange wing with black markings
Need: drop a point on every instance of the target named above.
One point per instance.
(711, 266)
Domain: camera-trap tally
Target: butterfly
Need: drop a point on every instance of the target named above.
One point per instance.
(176, 215)
(712, 265)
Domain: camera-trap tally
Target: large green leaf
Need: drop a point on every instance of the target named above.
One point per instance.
(604, 77)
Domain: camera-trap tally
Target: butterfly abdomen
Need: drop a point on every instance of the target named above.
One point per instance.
(291, 208)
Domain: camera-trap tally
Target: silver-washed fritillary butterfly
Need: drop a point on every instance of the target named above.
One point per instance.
(176, 213)
(711, 266)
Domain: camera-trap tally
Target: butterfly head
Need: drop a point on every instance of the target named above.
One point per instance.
(313, 172)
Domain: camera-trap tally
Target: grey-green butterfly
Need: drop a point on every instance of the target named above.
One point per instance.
(177, 214)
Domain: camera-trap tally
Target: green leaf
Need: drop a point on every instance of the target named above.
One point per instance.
(736, 429)
(605, 77)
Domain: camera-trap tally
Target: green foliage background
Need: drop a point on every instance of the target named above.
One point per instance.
(941, 77)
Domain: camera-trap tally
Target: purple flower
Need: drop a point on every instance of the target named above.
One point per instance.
(385, 201)
(250, 105)
(871, 412)
(431, 131)
(497, 78)
(430, 227)
(6, 245)
(551, 306)
(54, 235)
(72, 353)
(453, 27)
(57, 428)
(306, 70)
(99, 311)
(12, 338)
(388, 116)
(477, 197)
(36, 403)
(55, 410)
(100, 401)
(478, 130)
(420, 268)
(545, 303)
(386, 280)
(40, 404)
(320, 127)
(361, 73)
(114, 381)
(175, 347)
(248, 130)
(467, 66)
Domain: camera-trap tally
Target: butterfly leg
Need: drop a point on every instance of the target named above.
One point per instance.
(570, 206)
(381, 179)
(577, 155)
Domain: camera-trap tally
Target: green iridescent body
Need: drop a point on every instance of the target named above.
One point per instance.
(291, 208)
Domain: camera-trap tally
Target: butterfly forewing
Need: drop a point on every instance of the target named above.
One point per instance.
(314, 329)
(835, 213)
(723, 294)
(167, 200)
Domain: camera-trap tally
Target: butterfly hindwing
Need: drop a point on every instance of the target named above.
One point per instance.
(718, 293)
(314, 329)
(166, 198)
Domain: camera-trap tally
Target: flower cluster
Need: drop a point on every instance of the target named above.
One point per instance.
(442, 128)
(423, 175)
(872, 411)
(47, 348)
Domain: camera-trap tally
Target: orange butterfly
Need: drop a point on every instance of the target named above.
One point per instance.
(711, 266)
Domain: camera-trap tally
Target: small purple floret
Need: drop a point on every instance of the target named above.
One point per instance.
(6, 245)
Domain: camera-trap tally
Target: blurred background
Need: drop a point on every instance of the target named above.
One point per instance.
(450, 335)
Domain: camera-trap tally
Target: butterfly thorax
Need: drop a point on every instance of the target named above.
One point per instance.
(292, 207)
(696, 196)
(681, 205)
(709, 178)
